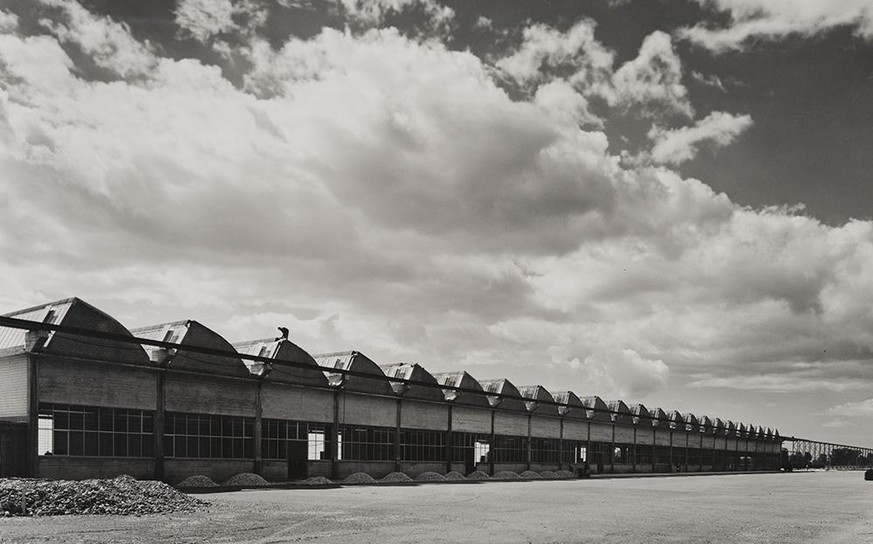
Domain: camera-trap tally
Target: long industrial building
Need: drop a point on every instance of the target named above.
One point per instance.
(77, 406)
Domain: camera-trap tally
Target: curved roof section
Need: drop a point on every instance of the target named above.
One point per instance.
(769, 434)
(718, 426)
(541, 401)
(502, 386)
(641, 414)
(730, 427)
(356, 362)
(192, 333)
(416, 373)
(659, 418)
(575, 408)
(690, 422)
(677, 420)
(74, 312)
(705, 424)
(464, 381)
(741, 430)
(282, 350)
(760, 432)
(596, 409)
(621, 414)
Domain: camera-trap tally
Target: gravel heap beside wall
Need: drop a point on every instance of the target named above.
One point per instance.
(396, 477)
(359, 478)
(246, 479)
(432, 477)
(455, 475)
(197, 481)
(478, 475)
(530, 475)
(120, 496)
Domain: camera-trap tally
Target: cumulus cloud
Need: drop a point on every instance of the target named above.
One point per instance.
(203, 19)
(653, 80)
(107, 43)
(679, 145)
(8, 21)
(338, 192)
(863, 408)
(372, 13)
(774, 19)
(622, 373)
(546, 52)
(650, 84)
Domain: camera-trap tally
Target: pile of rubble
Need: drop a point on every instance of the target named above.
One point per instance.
(246, 479)
(123, 496)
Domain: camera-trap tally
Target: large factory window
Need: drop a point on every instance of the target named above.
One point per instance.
(95, 431)
(510, 449)
(366, 443)
(574, 452)
(544, 450)
(644, 454)
(207, 436)
(418, 445)
(292, 440)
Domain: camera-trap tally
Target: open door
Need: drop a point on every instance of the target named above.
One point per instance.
(13, 450)
(298, 452)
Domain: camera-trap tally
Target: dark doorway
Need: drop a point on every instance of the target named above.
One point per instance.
(297, 457)
(469, 460)
(13, 450)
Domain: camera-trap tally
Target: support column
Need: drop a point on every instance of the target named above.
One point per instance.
(449, 441)
(258, 431)
(528, 441)
(159, 422)
(561, 444)
(397, 434)
(634, 451)
(334, 437)
(31, 467)
(491, 446)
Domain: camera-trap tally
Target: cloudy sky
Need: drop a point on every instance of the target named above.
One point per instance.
(665, 201)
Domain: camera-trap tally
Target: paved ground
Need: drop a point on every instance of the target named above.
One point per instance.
(820, 507)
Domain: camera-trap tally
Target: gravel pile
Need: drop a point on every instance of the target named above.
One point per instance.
(455, 475)
(317, 480)
(564, 474)
(547, 474)
(396, 477)
(433, 477)
(360, 478)
(123, 496)
(246, 479)
(478, 475)
(197, 481)
(507, 475)
(530, 475)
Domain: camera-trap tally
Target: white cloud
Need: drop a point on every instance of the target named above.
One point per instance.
(205, 18)
(373, 12)
(774, 19)
(545, 51)
(679, 145)
(8, 21)
(863, 408)
(653, 80)
(650, 84)
(108, 43)
(711, 80)
(622, 374)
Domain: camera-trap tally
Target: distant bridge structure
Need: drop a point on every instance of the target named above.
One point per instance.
(802, 453)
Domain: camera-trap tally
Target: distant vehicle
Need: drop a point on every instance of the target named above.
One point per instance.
(868, 474)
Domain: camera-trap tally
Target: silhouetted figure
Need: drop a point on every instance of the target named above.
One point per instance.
(284, 331)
